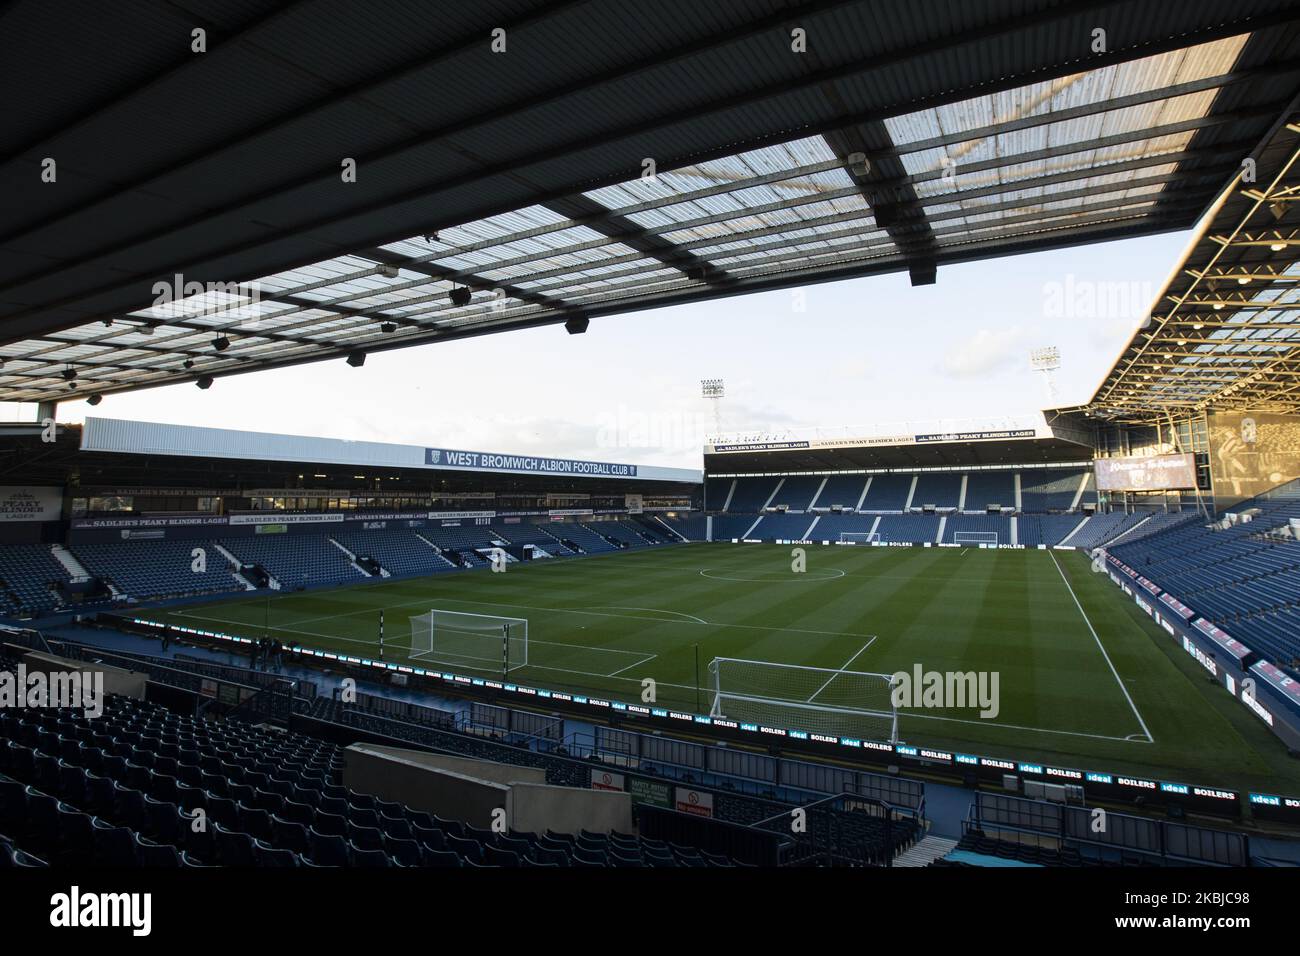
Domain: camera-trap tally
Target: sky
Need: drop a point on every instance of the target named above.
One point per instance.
(853, 356)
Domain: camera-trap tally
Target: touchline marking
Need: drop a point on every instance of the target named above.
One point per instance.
(1130, 739)
(1114, 672)
(521, 607)
(840, 671)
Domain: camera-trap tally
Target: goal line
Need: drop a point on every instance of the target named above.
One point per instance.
(825, 700)
(475, 641)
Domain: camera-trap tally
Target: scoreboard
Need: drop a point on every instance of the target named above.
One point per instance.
(1146, 473)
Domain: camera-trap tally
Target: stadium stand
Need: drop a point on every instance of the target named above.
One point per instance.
(728, 526)
(533, 534)
(941, 489)
(462, 541)
(1047, 490)
(119, 789)
(587, 540)
(157, 569)
(752, 493)
(984, 488)
(28, 574)
(296, 560)
(797, 492)
(783, 527)
(831, 526)
(694, 528)
(841, 491)
(401, 552)
(716, 491)
(887, 493)
(916, 528)
(1238, 577)
(1033, 530)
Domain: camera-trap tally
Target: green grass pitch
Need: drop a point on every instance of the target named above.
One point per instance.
(1086, 680)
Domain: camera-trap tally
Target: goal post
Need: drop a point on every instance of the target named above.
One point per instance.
(473, 641)
(795, 697)
(989, 538)
(859, 537)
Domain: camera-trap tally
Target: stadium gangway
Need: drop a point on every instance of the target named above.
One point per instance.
(860, 829)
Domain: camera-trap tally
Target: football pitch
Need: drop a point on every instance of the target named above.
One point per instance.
(1084, 678)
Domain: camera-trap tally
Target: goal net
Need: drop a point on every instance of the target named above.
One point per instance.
(794, 697)
(473, 641)
(862, 537)
(975, 537)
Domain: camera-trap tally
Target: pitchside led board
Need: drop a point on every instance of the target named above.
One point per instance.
(1146, 473)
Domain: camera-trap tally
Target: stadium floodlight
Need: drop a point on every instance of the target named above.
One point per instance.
(221, 343)
(794, 697)
(482, 642)
(95, 399)
(69, 373)
(357, 358)
(461, 296)
(712, 388)
(1046, 360)
(577, 324)
(204, 382)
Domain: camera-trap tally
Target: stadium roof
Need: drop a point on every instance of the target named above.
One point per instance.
(1225, 331)
(1020, 441)
(899, 141)
(116, 453)
(118, 436)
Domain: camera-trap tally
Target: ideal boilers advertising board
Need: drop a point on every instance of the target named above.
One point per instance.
(30, 504)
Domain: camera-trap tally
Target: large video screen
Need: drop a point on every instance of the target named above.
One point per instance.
(1251, 453)
(1146, 473)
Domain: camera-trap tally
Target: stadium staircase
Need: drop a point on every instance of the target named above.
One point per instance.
(77, 574)
(925, 852)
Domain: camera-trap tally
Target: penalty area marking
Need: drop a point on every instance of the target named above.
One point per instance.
(652, 610)
(840, 671)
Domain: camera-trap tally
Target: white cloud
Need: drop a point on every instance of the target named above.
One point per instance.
(986, 352)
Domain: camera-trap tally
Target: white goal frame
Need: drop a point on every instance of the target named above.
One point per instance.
(859, 537)
(793, 710)
(487, 642)
(976, 537)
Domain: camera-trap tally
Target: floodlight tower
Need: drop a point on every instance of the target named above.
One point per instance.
(713, 389)
(1047, 360)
